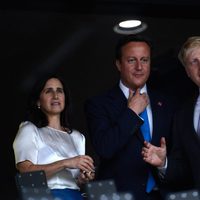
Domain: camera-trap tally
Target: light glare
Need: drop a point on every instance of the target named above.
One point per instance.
(130, 23)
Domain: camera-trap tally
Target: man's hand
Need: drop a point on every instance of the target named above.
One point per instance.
(154, 155)
(137, 102)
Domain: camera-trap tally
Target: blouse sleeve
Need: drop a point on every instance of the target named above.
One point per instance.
(79, 141)
(25, 145)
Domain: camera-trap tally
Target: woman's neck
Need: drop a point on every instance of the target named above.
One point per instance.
(54, 122)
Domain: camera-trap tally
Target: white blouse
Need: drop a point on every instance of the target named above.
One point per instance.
(46, 145)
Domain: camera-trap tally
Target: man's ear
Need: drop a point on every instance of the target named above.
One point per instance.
(118, 64)
(187, 72)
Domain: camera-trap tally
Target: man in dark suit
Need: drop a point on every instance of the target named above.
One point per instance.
(181, 168)
(114, 120)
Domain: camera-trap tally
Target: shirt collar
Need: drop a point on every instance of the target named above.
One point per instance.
(198, 99)
(125, 89)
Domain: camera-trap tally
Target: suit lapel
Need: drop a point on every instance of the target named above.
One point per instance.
(157, 114)
(117, 97)
(120, 102)
(188, 115)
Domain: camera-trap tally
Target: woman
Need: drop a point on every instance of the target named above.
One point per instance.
(45, 141)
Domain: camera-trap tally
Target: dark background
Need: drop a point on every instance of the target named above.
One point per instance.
(76, 39)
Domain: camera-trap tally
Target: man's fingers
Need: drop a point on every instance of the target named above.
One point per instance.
(137, 91)
(130, 94)
(163, 143)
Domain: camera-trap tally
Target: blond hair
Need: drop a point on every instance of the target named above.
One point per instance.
(189, 44)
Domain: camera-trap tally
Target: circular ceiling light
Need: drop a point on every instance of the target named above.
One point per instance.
(130, 23)
(130, 27)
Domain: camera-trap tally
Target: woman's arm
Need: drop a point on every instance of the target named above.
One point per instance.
(82, 162)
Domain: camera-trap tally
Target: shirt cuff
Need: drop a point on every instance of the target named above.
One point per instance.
(162, 170)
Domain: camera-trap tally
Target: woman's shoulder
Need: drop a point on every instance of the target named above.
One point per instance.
(26, 130)
(77, 134)
(27, 125)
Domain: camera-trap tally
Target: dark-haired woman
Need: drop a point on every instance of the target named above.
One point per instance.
(45, 141)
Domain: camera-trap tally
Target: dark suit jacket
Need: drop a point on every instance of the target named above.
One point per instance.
(115, 134)
(184, 161)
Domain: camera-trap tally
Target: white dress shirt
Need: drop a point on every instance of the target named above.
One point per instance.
(196, 113)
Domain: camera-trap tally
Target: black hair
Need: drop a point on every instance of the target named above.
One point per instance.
(126, 39)
(35, 115)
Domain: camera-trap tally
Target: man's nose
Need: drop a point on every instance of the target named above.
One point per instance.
(138, 64)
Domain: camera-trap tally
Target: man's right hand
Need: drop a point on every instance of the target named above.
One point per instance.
(137, 102)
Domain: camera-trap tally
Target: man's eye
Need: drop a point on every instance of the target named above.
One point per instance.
(194, 62)
(145, 60)
(132, 60)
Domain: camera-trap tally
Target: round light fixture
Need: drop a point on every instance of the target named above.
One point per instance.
(130, 27)
(130, 23)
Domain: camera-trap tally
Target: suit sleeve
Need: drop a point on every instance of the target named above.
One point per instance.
(110, 127)
(178, 171)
